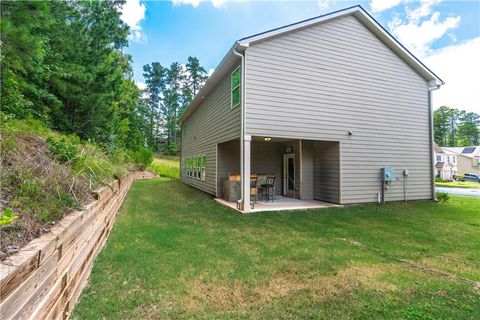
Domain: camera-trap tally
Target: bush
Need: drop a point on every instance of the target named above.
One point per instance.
(443, 196)
(63, 150)
(438, 179)
(459, 178)
(143, 157)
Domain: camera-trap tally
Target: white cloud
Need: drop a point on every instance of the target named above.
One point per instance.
(219, 3)
(382, 5)
(210, 71)
(421, 26)
(325, 4)
(141, 85)
(133, 12)
(458, 66)
(425, 9)
(193, 3)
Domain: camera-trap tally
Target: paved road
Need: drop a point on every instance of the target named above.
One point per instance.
(460, 191)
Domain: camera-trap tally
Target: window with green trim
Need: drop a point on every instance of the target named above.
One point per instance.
(235, 88)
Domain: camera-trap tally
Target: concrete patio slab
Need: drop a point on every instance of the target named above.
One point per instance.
(281, 204)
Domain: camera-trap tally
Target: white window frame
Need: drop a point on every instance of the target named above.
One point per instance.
(239, 88)
(204, 167)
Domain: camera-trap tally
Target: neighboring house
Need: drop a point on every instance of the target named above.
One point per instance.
(445, 163)
(322, 104)
(468, 158)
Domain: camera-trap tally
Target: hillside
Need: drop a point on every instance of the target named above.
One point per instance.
(45, 175)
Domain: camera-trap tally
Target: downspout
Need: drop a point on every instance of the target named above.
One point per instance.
(432, 154)
(242, 128)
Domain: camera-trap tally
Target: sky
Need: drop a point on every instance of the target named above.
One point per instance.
(444, 35)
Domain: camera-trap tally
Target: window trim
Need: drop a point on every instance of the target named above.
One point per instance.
(196, 167)
(239, 88)
(204, 167)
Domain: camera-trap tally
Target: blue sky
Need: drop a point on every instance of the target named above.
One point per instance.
(443, 34)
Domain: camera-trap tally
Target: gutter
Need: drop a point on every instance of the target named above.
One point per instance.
(242, 131)
(435, 86)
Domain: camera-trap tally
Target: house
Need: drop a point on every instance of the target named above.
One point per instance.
(468, 158)
(445, 163)
(327, 105)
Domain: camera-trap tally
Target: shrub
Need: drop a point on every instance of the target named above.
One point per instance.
(443, 196)
(142, 157)
(7, 217)
(459, 177)
(438, 179)
(63, 150)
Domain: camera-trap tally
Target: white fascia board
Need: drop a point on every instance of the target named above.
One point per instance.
(245, 42)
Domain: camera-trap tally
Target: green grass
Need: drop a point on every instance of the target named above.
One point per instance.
(174, 254)
(458, 184)
(166, 166)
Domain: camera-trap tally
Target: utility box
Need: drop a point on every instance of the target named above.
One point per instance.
(388, 174)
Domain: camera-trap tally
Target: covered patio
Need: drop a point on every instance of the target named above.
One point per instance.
(306, 173)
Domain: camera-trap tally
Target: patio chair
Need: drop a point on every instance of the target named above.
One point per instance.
(253, 191)
(268, 188)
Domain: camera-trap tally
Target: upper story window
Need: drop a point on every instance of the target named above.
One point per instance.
(439, 158)
(235, 88)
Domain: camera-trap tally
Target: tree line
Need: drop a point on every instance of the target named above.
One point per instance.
(169, 90)
(64, 63)
(456, 128)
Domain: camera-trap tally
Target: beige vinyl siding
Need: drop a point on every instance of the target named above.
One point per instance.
(213, 122)
(307, 170)
(267, 158)
(228, 161)
(326, 168)
(319, 82)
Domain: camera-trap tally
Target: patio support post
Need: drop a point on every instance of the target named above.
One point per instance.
(246, 173)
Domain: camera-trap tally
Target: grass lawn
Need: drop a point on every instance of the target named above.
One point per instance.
(458, 184)
(174, 254)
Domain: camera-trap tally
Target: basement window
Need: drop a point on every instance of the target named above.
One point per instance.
(235, 88)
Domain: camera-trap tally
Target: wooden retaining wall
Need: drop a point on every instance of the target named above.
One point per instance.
(45, 278)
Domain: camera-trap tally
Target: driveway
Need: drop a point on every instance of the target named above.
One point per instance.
(460, 191)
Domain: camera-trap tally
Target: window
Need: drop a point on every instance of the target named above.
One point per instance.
(190, 167)
(439, 158)
(203, 167)
(195, 167)
(235, 88)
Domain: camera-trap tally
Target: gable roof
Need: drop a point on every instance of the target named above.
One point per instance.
(363, 16)
(437, 148)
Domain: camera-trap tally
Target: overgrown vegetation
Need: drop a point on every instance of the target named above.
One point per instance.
(46, 174)
(443, 196)
(166, 166)
(415, 260)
